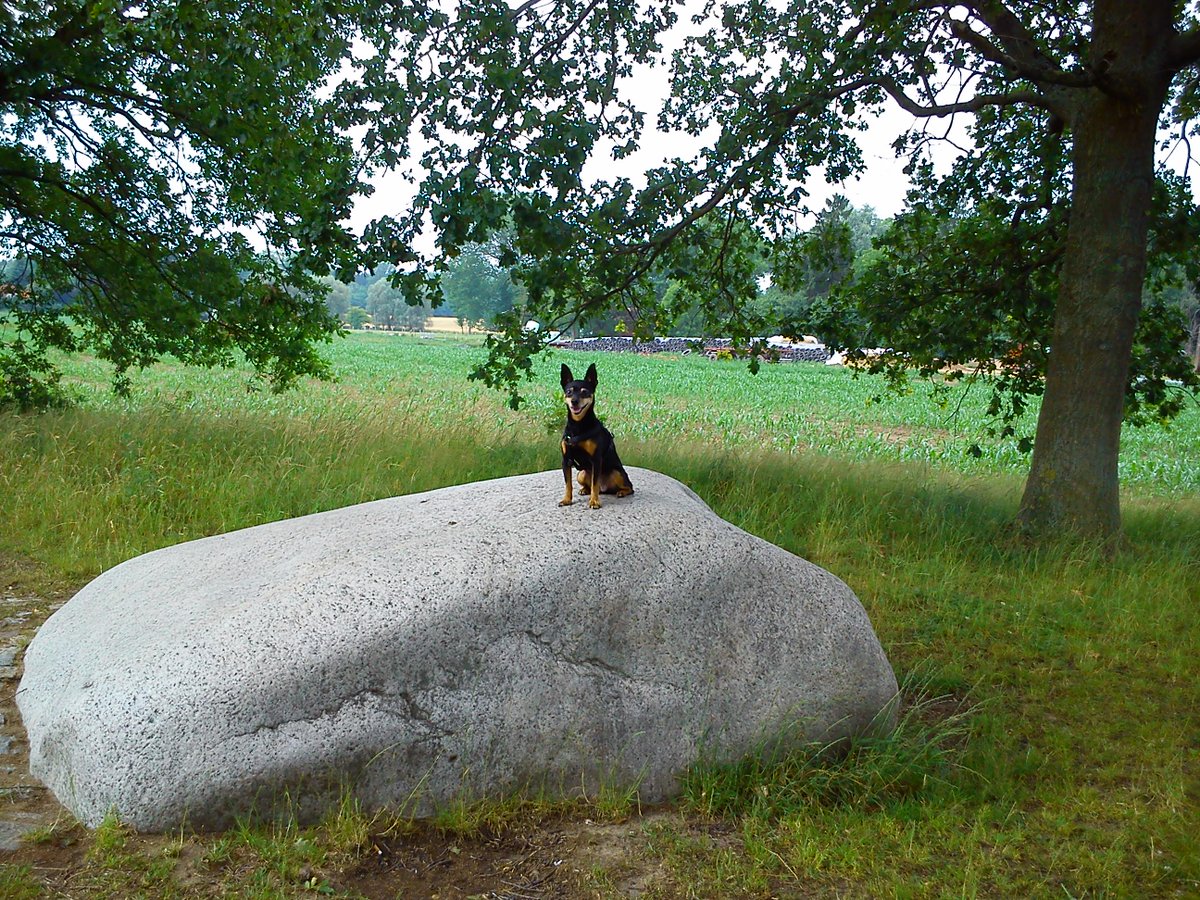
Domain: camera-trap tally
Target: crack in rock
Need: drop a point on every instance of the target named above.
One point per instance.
(408, 708)
(416, 713)
(593, 664)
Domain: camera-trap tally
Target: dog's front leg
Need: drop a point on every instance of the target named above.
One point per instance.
(566, 467)
(594, 502)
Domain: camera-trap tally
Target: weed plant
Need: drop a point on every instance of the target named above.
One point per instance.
(1049, 742)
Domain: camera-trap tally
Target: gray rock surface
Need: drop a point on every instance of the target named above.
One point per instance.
(470, 640)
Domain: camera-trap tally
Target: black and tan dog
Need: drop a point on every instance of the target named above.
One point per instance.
(587, 444)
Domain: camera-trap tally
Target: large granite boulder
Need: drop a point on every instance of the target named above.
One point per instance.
(471, 640)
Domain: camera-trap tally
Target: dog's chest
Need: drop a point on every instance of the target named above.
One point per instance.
(584, 450)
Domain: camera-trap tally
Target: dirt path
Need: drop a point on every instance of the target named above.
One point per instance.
(25, 803)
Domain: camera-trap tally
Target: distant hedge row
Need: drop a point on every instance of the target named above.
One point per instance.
(681, 345)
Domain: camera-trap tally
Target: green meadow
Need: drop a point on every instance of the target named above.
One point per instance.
(1050, 744)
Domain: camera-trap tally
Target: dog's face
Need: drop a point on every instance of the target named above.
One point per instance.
(580, 395)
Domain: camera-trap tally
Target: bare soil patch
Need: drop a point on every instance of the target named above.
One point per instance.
(25, 803)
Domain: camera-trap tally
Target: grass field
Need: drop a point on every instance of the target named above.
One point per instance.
(1053, 742)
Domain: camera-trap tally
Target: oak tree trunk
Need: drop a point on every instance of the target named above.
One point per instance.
(1072, 481)
(1196, 340)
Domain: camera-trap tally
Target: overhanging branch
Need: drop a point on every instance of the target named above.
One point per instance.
(1185, 50)
(1039, 71)
(1020, 48)
(936, 110)
(974, 104)
(737, 178)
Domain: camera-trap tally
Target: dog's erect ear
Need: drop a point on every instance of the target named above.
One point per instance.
(590, 377)
(567, 377)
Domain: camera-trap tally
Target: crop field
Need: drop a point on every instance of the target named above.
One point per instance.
(1050, 745)
(805, 407)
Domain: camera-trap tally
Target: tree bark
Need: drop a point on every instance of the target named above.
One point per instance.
(1196, 340)
(1072, 484)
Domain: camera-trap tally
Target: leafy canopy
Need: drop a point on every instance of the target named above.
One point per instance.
(170, 175)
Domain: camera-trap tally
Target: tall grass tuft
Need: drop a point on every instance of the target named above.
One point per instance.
(92, 488)
(921, 755)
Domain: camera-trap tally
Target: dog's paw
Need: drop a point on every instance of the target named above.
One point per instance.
(593, 504)
(564, 502)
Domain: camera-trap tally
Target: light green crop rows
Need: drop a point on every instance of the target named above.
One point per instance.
(670, 399)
